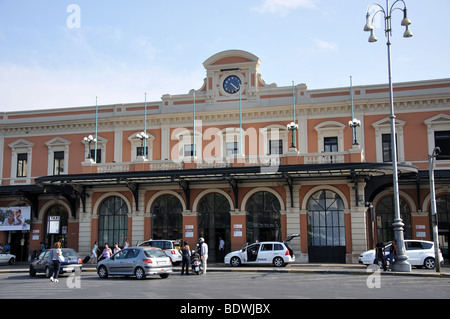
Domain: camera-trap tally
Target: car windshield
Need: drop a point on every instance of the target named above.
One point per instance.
(69, 253)
(152, 253)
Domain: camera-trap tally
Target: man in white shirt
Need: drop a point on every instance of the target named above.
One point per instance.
(203, 253)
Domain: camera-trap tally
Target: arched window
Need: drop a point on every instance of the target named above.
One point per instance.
(326, 222)
(57, 223)
(385, 215)
(214, 221)
(167, 220)
(263, 217)
(443, 210)
(113, 221)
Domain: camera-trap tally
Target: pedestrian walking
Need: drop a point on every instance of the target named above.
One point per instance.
(186, 258)
(94, 252)
(392, 254)
(379, 255)
(106, 253)
(221, 249)
(116, 248)
(57, 258)
(203, 247)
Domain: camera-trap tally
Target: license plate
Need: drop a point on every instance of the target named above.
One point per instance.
(68, 269)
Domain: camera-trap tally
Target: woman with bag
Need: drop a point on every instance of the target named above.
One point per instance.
(57, 258)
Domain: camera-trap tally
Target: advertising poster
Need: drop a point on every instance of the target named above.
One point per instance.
(15, 218)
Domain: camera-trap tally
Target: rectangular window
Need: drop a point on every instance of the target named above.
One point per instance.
(275, 147)
(386, 147)
(58, 163)
(232, 148)
(442, 140)
(140, 151)
(330, 144)
(22, 164)
(99, 155)
(326, 228)
(189, 150)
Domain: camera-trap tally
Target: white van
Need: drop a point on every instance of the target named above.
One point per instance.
(170, 247)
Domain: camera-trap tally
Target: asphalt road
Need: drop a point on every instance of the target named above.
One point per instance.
(225, 285)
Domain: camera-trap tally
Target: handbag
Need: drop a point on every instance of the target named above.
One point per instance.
(60, 256)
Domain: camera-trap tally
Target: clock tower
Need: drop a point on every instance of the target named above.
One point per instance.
(230, 72)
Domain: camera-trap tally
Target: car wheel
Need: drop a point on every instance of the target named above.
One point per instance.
(48, 272)
(102, 272)
(278, 262)
(235, 262)
(429, 263)
(11, 261)
(139, 273)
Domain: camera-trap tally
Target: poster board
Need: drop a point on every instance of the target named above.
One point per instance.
(15, 218)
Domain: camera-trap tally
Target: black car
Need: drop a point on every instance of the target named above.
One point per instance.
(43, 263)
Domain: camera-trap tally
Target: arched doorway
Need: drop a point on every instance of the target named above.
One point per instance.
(167, 219)
(214, 222)
(263, 217)
(57, 222)
(326, 227)
(113, 221)
(385, 215)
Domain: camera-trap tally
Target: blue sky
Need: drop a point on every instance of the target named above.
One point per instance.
(119, 50)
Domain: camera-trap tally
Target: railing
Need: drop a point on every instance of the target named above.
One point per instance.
(217, 162)
(325, 158)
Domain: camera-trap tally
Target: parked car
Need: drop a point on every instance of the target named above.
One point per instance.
(170, 247)
(7, 258)
(267, 252)
(136, 261)
(43, 263)
(420, 254)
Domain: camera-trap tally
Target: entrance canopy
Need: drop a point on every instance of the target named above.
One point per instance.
(337, 170)
(234, 175)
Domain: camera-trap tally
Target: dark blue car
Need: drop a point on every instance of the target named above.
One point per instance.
(43, 263)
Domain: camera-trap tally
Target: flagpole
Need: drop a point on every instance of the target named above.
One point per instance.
(96, 124)
(145, 125)
(193, 128)
(353, 116)
(293, 111)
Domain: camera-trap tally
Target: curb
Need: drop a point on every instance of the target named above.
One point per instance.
(294, 268)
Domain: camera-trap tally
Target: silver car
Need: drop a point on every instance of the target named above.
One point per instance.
(136, 261)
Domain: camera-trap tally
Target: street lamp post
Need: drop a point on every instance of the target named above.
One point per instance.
(143, 137)
(89, 139)
(401, 264)
(434, 219)
(354, 124)
(292, 127)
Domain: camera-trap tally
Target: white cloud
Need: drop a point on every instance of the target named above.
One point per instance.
(284, 6)
(326, 46)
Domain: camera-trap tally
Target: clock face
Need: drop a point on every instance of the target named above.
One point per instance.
(232, 84)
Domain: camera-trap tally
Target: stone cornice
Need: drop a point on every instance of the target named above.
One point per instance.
(250, 114)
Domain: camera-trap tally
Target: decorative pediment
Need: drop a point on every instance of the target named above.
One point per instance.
(387, 122)
(57, 141)
(330, 126)
(21, 143)
(231, 59)
(440, 119)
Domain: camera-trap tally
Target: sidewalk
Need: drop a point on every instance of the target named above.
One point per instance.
(354, 269)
